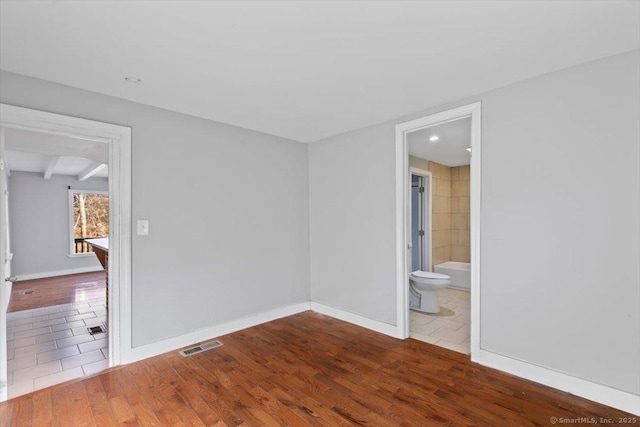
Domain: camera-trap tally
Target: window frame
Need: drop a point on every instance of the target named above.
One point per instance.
(72, 238)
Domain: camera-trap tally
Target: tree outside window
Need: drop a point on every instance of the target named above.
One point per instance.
(90, 218)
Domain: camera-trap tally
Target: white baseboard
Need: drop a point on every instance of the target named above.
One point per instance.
(589, 390)
(170, 344)
(356, 319)
(58, 273)
(596, 392)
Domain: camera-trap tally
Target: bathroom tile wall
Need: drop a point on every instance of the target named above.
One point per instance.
(441, 210)
(441, 213)
(460, 209)
(450, 214)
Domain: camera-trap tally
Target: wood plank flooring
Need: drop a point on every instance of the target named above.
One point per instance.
(303, 370)
(37, 293)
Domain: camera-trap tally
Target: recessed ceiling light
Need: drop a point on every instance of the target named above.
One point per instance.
(434, 138)
(133, 79)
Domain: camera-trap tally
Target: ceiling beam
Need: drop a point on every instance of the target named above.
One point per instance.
(51, 167)
(91, 170)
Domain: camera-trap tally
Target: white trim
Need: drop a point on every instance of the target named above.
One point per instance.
(5, 268)
(61, 125)
(83, 255)
(402, 273)
(119, 140)
(171, 344)
(356, 319)
(57, 273)
(589, 390)
(120, 249)
(402, 212)
(475, 193)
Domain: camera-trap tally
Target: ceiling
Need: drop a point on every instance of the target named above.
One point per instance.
(28, 151)
(306, 70)
(450, 148)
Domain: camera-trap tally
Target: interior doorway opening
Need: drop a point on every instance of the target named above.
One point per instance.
(442, 159)
(66, 355)
(420, 220)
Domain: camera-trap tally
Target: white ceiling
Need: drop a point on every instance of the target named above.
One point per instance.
(28, 151)
(36, 162)
(449, 149)
(306, 70)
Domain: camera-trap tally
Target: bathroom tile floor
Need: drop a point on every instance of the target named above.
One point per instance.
(50, 345)
(450, 332)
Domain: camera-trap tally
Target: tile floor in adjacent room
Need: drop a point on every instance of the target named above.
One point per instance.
(52, 344)
(451, 332)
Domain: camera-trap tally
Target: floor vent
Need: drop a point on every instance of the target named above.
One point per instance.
(200, 348)
(97, 330)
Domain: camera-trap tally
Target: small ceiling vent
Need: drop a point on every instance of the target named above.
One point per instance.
(200, 348)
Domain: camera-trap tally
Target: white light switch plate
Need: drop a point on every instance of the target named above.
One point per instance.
(143, 227)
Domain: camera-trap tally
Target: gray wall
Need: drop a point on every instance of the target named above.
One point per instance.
(569, 301)
(39, 222)
(560, 283)
(351, 178)
(561, 189)
(228, 210)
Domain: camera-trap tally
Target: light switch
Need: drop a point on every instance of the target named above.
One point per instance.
(143, 227)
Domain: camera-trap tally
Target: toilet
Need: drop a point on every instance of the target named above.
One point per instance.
(424, 287)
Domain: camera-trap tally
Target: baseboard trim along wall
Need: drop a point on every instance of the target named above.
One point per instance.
(171, 344)
(58, 273)
(589, 390)
(356, 319)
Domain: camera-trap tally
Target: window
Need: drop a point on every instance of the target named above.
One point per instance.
(88, 219)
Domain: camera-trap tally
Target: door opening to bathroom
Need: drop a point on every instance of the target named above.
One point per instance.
(438, 280)
(420, 220)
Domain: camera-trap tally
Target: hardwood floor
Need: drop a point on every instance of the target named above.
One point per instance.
(303, 370)
(29, 294)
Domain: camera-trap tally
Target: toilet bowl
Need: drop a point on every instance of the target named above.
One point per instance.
(424, 287)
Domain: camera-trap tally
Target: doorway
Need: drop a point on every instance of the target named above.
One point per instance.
(116, 144)
(420, 220)
(403, 210)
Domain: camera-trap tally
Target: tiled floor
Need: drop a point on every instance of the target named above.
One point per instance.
(451, 332)
(50, 345)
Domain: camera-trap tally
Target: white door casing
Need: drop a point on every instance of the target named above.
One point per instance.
(5, 271)
(403, 211)
(118, 139)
